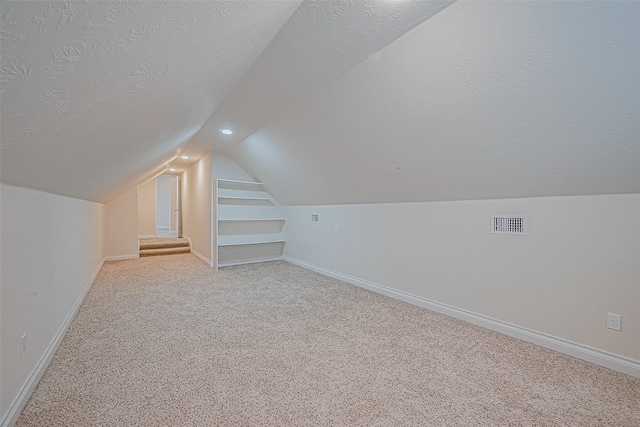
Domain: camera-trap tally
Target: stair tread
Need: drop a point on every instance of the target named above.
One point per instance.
(164, 251)
(164, 245)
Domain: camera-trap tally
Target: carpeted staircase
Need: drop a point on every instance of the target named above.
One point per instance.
(164, 246)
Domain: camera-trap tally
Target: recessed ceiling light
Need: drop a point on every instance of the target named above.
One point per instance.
(172, 170)
(226, 131)
(184, 157)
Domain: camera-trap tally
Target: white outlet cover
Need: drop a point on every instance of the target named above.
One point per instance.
(614, 321)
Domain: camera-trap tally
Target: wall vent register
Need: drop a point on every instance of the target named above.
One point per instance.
(509, 224)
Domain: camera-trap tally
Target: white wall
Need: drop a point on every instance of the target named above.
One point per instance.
(580, 260)
(485, 100)
(121, 225)
(197, 188)
(52, 246)
(223, 166)
(147, 209)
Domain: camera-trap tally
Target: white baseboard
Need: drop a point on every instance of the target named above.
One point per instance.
(121, 257)
(32, 380)
(203, 258)
(198, 254)
(248, 261)
(590, 354)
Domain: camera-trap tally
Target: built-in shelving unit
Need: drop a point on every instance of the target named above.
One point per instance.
(248, 225)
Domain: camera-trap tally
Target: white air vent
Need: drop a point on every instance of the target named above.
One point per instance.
(315, 218)
(509, 224)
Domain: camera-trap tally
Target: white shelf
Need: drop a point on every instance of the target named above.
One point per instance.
(241, 185)
(244, 198)
(249, 210)
(249, 219)
(243, 193)
(247, 200)
(249, 239)
(249, 261)
(235, 181)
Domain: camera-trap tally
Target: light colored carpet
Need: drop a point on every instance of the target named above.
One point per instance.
(168, 341)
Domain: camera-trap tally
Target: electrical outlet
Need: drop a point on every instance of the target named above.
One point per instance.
(23, 345)
(336, 227)
(333, 257)
(614, 321)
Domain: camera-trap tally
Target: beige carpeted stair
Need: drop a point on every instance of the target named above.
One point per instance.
(164, 246)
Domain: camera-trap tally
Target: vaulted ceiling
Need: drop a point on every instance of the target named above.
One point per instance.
(330, 101)
(483, 100)
(96, 95)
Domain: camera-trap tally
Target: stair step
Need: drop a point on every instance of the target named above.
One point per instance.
(164, 251)
(168, 245)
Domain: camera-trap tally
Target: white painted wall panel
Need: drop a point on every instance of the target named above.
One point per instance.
(578, 262)
(147, 209)
(51, 247)
(121, 227)
(197, 201)
(223, 167)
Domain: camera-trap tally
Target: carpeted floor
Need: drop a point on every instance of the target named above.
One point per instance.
(168, 341)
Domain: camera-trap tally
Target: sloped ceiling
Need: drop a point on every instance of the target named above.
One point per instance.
(483, 100)
(97, 94)
(477, 100)
(322, 40)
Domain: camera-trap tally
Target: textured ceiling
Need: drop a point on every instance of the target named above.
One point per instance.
(97, 94)
(469, 100)
(321, 41)
(483, 100)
